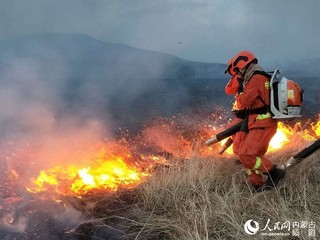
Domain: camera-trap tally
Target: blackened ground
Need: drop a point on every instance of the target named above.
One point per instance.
(111, 214)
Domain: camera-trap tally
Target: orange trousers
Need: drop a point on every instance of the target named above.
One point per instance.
(237, 141)
(251, 148)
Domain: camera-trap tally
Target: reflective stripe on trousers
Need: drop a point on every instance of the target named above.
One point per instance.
(249, 171)
(256, 166)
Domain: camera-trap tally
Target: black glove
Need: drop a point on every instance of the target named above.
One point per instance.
(240, 87)
(240, 113)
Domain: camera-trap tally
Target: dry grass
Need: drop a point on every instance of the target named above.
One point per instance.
(205, 199)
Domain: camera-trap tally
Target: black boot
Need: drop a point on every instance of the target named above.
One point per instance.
(275, 174)
(237, 161)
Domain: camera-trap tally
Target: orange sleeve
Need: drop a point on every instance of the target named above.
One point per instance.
(232, 87)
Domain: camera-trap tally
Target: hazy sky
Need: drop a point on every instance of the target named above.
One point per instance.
(204, 30)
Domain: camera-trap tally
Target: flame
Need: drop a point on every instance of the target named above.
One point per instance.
(108, 171)
(316, 127)
(281, 138)
(114, 166)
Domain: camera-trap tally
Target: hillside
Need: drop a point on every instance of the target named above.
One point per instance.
(79, 50)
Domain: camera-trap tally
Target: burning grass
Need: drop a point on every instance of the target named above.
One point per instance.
(118, 165)
(127, 193)
(112, 167)
(208, 198)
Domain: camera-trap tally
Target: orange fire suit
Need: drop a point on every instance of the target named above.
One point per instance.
(262, 128)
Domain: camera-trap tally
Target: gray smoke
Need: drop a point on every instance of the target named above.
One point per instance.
(61, 96)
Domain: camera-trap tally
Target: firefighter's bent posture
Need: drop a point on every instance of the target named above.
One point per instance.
(250, 83)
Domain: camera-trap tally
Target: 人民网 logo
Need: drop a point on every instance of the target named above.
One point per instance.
(251, 227)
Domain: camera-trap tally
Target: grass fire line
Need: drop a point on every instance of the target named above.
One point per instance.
(114, 165)
(227, 133)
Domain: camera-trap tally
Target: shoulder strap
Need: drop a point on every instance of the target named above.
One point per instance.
(263, 73)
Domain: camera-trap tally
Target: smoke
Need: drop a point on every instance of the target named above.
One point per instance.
(61, 98)
(36, 133)
(31, 106)
(43, 126)
(61, 95)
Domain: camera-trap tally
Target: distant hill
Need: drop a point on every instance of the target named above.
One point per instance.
(99, 57)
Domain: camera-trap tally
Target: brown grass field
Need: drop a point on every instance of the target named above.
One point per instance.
(205, 199)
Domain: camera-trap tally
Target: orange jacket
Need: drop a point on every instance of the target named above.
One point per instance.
(257, 86)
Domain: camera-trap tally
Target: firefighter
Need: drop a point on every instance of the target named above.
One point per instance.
(250, 83)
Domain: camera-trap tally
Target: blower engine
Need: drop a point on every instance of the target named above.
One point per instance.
(285, 97)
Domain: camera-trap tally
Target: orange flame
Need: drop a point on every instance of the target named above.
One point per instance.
(115, 167)
(281, 137)
(316, 127)
(108, 171)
